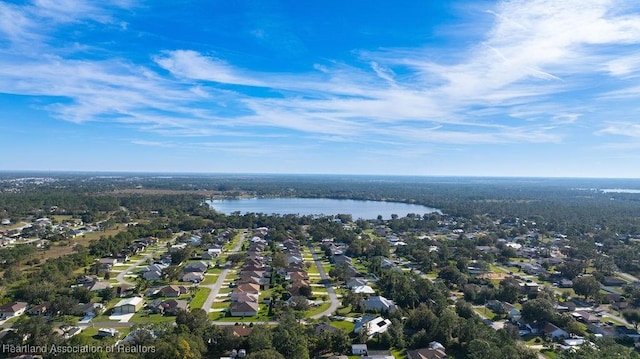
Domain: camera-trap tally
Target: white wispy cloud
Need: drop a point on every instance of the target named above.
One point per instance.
(508, 88)
(626, 129)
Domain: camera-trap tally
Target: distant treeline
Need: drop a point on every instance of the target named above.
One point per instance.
(573, 206)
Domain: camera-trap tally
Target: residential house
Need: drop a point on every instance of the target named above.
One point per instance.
(340, 259)
(613, 282)
(177, 247)
(89, 309)
(107, 332)
(241, 331)
(565, 283)
(512, 312)
(193, 277)
(172, 306)
(173, 290)
(152, 275)
(98, 286)
(619, 305)
(208, 255)
(532, 269)
(240, 296)
(529, 287)
(294, 276)
(259, 274)
(198, 267)
(372, 326)
(295, 258)
(552, 331)
(363, 289)
(243, 309)
(108, 262)
(379, 304)
(356, 282)
(325, 327)
(13, 309)
(585, 317)
(249, 267)
(294, 288)
(129, 305)
(253, 280)
(378, 354)
(434, 351)
(249, 288)
(40, 309)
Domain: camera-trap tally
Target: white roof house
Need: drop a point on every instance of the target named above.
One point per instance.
(128, 305)
(373, 326)
(364, 289)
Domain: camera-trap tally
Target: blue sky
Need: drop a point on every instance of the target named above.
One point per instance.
(483, 88)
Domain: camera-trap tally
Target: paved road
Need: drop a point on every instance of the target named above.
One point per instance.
(215, 288)
(335, 303)
(121, 279)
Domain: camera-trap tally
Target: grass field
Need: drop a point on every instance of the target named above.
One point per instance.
(317, 310)
(209, 279)
(151, 318)
(200, 298)
(344, 325)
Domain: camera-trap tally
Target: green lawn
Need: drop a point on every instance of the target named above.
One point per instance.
(533, 339)
(220, 305)
(209, 279)
(200, 298)
(549, 353)
(225, 290)
(151, 318)
(399, 353)
(485, 312)
(609, 319)
(344, 325)
(317, 310)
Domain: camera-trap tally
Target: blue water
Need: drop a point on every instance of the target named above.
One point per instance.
(319, 206)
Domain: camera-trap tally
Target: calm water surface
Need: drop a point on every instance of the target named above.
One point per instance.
(319, 206)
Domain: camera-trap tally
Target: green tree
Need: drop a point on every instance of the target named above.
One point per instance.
(536, 310)
(572, 268)
(632, 316)
(451, 275)
(259, 339)
(482, 349)
(107, 294)
(586, 285)
(464, 309)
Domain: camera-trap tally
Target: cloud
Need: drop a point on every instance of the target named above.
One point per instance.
(192, 65)
(625, 129)
(525, 82)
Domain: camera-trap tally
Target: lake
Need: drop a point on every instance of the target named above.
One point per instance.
(319, 206)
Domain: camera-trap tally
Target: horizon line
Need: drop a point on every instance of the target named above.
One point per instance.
(195, 173)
